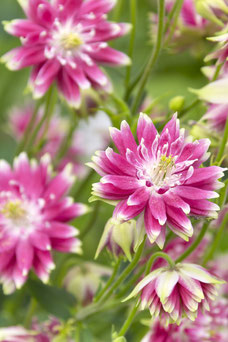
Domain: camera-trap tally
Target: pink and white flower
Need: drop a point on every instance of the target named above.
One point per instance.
(177, 292)
(16, 334)
(64, 40)
(159, 178)
(216, 116)
(34, 219)
(210, 326)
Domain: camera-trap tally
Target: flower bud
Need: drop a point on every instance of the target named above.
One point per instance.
(177, 103)
(120, 238)
(84, 280)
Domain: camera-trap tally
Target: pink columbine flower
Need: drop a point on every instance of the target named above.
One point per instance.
(64, 40)
(34, 215)
(177, 292)
(210, 326)
(160, 178)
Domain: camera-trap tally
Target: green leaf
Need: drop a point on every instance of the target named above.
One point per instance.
(54, 300)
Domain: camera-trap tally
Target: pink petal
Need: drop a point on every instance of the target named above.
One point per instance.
(24, 254)
(158, 208)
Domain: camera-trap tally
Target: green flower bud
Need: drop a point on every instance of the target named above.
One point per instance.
(177, 103)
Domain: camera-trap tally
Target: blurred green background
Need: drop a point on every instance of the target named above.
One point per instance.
(173, 75)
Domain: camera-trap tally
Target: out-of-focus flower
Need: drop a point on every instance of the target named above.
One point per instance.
(94, 133)
(53, 330)
(162, 333)
(64, 41)
(18, 121)
(16, 334)
(84, 280)
(191, 29)
(213, 10)
(218, 266)
(216, 116)
(210, 326)
(120, 238)
(214, 92)
(160, 178)
(34, 214)
(49, 331)
(177, 292)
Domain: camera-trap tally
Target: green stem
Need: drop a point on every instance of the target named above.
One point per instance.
(194, 244)
(64, 147)
(109, 282)
(176, 11)
(126, 272)
(22, 145)
(50, 100)
(188, 108)
(217, 71)
(131, 282)
(129, 320)
(29, 315)
(76, 191)
(216, 241)
(223, 143)
(92, 220)
(170, 16)
(133, 6)
(159, 255)
(154, 56)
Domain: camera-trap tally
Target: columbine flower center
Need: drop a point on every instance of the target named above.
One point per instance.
(13, 210)
(161, 173)
(70, 41)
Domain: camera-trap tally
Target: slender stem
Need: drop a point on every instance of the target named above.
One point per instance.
(159, 255)
(64, 147)
(126, 272)
(188, 108)
(175, 14)
(223, 143)
(170, 16)
(77, 191)
(92, 220)
(194, 244)
(22, 145)
(216, 241)
(217, 71)
(30, 313)
(129, 320)
(109, 282)
(46, 115)
(154, 56)
(133, 6)
(131, 282)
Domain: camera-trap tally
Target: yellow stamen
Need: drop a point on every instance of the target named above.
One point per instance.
(71, 41)
(13, 210)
